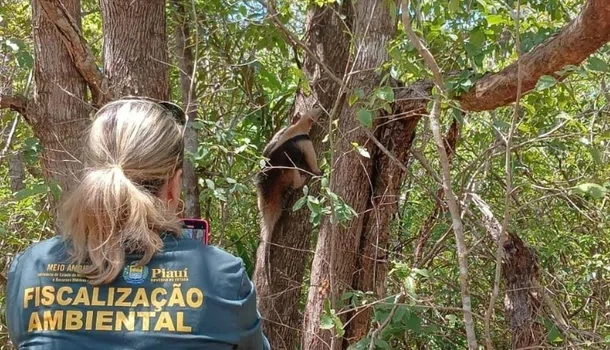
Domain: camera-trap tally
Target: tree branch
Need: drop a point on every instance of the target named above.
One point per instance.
(295, 41)
(9, 139)
(83, 58)
(580, 38)
(452, 202)
(15, 102)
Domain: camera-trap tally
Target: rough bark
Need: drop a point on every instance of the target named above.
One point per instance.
(82, 57)
(16, 173)
(14, 102)
(59, 113)
(586, 33)
(520, 274)
(135, 47)
(184, 53)
(290, 242)
(338, 245)
(397, 136)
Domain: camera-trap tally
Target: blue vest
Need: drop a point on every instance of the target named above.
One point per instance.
(190, 296)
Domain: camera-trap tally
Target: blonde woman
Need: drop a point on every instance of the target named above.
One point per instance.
(121, 276)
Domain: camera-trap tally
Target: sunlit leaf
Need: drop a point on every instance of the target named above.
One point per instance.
(363, 151)
(593, 189)
(545, 82)
(385, 93)
(326, 322)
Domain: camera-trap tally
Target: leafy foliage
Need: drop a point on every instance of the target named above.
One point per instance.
(247, 76)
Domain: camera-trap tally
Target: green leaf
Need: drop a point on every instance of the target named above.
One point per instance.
(457, 114)
(352, 99)
(413, 322)
(55, 190)
(592, 189)
(365, 117)
(477, 37)
(472, 50)
(231, 180)
(314, 205)
(452, 320)
(597, 64)
(347, 296)
(32, 191)
(24, 59)
(454, 6)
(500, 124)
(596, 154)
(197, 125)
(400, 312)
(422, 272)
(410, 286)
(299, 203)
(338, 326)
(495, 19)
(385, 93)
(545, 82)
(382, 344)
(554, 335)
(326, 321)
(210, 184)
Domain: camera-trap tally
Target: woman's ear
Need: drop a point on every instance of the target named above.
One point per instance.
(175, 189)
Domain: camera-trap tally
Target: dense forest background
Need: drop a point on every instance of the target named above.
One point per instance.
(448, 215)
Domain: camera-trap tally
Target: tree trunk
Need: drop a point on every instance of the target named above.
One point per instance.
(16, 173)
(184, 54)
(387, 178)
(290, 242)
(520, 273)
(135, 47)
(520, 270)
(59, 114)
(338, 245)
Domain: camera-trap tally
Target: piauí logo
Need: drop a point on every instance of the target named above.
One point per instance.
(135, 274)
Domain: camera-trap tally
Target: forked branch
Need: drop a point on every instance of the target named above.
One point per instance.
(83, 58)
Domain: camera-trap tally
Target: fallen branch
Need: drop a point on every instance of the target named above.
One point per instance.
(580, 38)
(83, 58)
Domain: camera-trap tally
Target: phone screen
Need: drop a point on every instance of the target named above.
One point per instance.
(196, 229)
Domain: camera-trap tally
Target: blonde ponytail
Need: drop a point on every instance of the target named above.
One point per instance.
(133, 148)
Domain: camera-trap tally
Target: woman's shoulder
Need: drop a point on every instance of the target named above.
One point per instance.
(222, 271)
(202, 254)
(219, 254)
(48, 249)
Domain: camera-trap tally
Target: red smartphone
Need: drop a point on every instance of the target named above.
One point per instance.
(197, 229)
